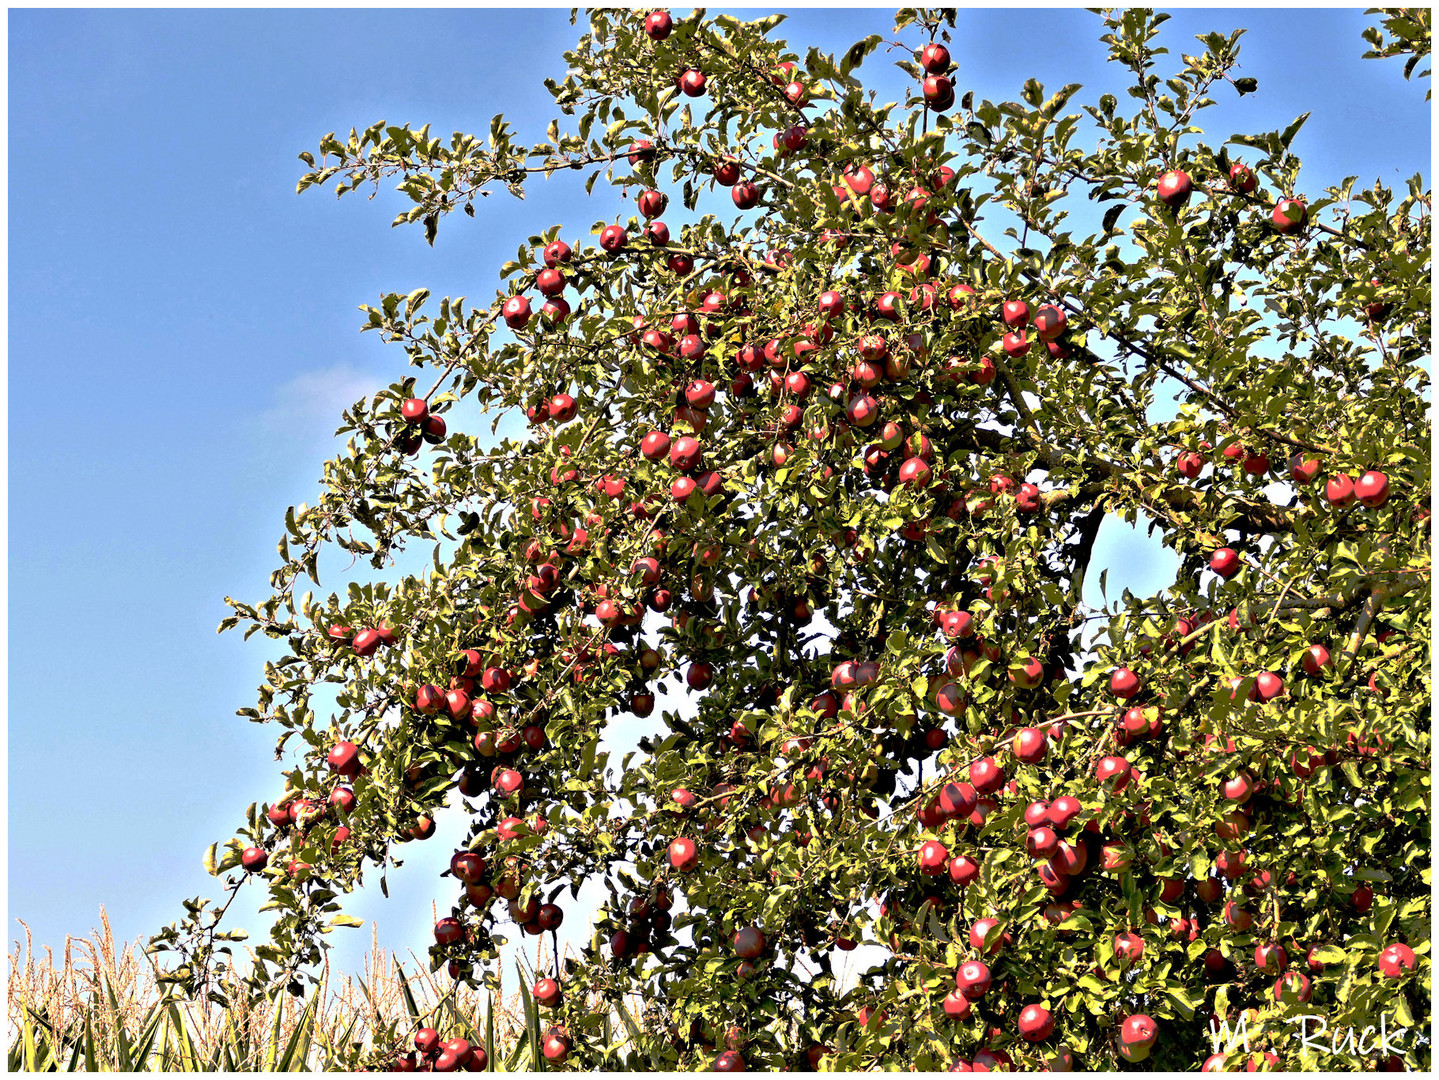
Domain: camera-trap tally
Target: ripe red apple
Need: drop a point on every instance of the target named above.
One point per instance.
(685, 453)
(557, 1045)
(1340, 490)
(1030, 745)
(1236, 917)
(726, 172)
(1063, 810)
(344, 758)
(692, 83)
(1372, 489)
(1270, 957)
(1112, 772)
(933, 858)
(938, 92)
(1037, 813)
(831, 303)
(448, 931)
(749, 943)
(1292, 988)
(254, 859)
(1189, 464)
(1289, 216)
(1015, 313)
(651, 204)
(1128, 947)
(614, 238)
(972, 979)
(934, 58)
(556, 253)
(1137, 1036)
(1049, 322)
(963, 871)
(745, 194)
(516, 312)
(684, 855)
(1268, 685)
(957, 1006)
(699, 676)
(1302, 470)
(366, 642)
(655, 446)
(1124, 684)
(1239, 788)
(729, 1061)
(1315, 659)
(1174, 189)
(1224, 562)
(1027, 675)
(1016, 344)
(1395, 960)
(1036, 1023)
(1042, 842)
(641, 150)
(914, 473)
(986, 776)
(1242, 178)
(658, 25)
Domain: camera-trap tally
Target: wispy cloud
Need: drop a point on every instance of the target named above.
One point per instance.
(310, 404)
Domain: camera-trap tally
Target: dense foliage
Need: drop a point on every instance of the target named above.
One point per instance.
(829, 464)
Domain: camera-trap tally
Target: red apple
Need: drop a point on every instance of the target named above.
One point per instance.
(1137, 1035)
(1174, 189)
(1015, 313)
(692, 83)
(749, 943)
(516, 312)
(1395, 960)
(1036, 1023)
(1292, 988)
(1128, 947)
(1030, 745)
(938, 92)
(655, 446)
(557, 1045)
(1372, 489)
(684, 855)
(1289, 216)
(972, 979)
(1224, 562)
(1124, 684)
(344, 758)
(1270, 957)
(614, 238)
(1340, 489)
(933, 858)
(1049, 322)
(934, 58)
(1303, 469)
(1242, 178)
(1315, 659)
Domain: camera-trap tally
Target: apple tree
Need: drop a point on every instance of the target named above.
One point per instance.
(811, 486)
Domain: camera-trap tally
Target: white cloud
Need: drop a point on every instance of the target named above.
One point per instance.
(309, 405)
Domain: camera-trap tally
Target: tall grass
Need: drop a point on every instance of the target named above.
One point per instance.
(101, 1008)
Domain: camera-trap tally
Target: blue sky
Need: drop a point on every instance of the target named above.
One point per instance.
(184, 334)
